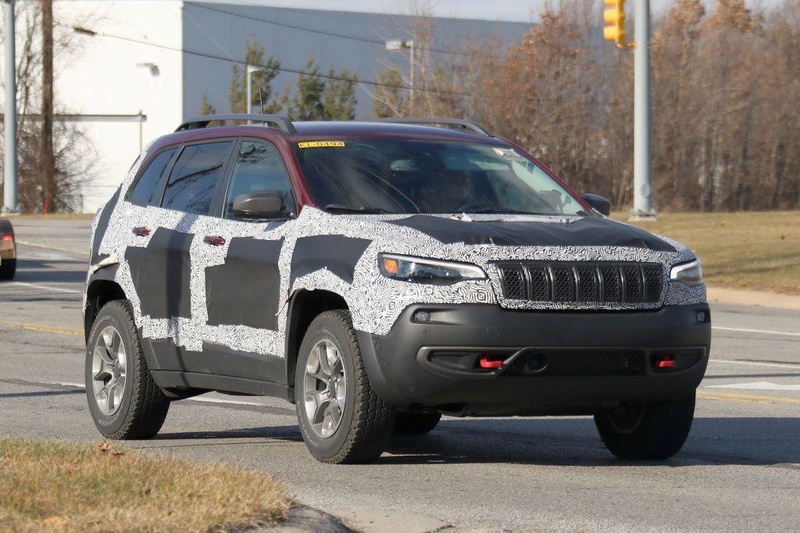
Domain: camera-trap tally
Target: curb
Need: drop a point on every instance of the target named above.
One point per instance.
(302, 519)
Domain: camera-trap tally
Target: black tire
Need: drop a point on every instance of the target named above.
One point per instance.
(356, 433)
(647, 431)
(7, 269)
(141, 408)
(415, 423)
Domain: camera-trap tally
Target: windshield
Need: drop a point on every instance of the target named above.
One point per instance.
(424, 176)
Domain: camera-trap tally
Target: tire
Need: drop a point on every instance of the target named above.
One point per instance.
(124, 401)
(7, 269)
(341, 418)
(415, 423)
(647, 431)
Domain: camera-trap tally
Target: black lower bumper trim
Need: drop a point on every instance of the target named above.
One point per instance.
(494, 361)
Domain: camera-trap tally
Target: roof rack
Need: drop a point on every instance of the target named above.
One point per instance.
(452, 123)
(196, 123)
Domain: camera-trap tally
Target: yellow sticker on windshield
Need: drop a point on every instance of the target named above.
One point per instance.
(321, 144)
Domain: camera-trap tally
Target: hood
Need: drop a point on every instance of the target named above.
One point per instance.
(535, 231)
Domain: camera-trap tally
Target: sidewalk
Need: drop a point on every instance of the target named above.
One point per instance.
(760, 298)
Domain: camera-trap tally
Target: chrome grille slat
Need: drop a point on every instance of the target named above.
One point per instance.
(585, 282)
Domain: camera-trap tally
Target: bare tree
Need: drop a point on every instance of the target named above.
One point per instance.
(49, 182)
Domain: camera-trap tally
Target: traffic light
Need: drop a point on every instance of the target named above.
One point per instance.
(614, 16)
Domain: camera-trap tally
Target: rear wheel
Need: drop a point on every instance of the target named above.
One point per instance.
(341, 418)
(8, 268)
(415, 423)
(124, 401)
(647, 431)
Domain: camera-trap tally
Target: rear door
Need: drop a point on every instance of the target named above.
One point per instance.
(166, 271)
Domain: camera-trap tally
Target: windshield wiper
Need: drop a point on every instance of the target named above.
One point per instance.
(500, 211)
(339, 208)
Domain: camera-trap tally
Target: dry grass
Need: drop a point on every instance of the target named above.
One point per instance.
(753, 251)
(49, 486)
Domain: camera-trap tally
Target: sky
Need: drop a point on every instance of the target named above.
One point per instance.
(510, 10)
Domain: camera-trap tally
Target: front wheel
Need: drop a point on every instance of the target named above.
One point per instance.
(124, 401)
(647, 430)
(341, 418)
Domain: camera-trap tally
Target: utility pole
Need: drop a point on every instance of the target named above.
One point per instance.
(614, 17)
(10, 169)
(48, 163)
(642, 163)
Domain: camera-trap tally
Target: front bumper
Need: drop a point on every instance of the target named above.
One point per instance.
(538, 363)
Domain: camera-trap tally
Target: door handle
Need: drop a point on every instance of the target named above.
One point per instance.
(141, 231)
(215, 241)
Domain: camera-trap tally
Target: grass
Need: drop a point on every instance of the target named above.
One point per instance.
(751, 251)
(50, 486)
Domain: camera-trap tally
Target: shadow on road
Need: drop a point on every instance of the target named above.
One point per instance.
(50, 271)
(724, 441)
(545, 442)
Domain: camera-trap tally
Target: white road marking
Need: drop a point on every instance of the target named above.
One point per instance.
(757, 385)
(764, 332)
(227, 402)
(195, 399)
(754, 363)
(45, 287)
(87, 254)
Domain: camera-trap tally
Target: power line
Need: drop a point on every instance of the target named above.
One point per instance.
(93, 33)
(333, 34)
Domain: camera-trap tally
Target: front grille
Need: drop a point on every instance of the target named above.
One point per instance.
(604, 283)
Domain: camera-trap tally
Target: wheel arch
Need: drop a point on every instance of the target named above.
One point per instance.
(100, 290)
(304, 307)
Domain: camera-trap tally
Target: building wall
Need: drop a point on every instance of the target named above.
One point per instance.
(117, 72)
(159, 57)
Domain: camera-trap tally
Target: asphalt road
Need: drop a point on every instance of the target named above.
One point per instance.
(739, 470)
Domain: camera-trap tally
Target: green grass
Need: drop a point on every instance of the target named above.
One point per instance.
(751, 251)
(52, 486)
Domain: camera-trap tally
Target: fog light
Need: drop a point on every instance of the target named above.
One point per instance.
(702, 317)
(422, 316)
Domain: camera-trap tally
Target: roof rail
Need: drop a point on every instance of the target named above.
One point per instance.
(452, 123)
(196, 123)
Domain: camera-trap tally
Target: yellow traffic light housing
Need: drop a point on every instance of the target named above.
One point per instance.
(614, 16)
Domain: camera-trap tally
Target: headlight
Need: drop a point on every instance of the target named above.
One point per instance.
(418, 270)
(689, 273)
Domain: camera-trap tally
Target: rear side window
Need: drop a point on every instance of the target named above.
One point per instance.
(144, 191)
(194, 177)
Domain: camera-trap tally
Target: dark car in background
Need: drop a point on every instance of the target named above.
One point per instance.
(379, 275)
(8, 250)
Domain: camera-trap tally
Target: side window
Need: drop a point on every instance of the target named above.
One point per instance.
(194, 177)
(143, 192)
(259, 168)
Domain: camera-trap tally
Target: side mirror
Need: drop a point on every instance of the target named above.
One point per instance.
(258, 205)
(598, 203)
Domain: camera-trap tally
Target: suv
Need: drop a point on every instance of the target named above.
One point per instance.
(378, 275)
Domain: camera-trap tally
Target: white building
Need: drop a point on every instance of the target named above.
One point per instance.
(155, 59)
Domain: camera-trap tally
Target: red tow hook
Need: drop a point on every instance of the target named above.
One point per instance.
(664, 361)
(490, 362)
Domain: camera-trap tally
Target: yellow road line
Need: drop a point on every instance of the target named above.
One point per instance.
(747, 398)
(71, 332)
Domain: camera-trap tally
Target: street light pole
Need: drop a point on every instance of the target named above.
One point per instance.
(412, 66)
(250, 69)
(642, 165)
(10, 179)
